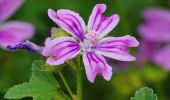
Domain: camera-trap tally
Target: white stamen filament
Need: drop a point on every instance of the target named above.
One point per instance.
(91, 39)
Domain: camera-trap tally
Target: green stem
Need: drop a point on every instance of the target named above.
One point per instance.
(79, 81)
(61, 96)
(66, 85)
(123, 22)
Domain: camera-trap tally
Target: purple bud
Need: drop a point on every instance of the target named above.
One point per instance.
(27, 46)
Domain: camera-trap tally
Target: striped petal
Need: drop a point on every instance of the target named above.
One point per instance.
(15, 32)
(100, 23)
(96, 64)
(8, 7)
(116, 47)
(69, 21)
(60, 50)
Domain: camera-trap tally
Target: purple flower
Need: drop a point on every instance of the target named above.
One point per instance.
(146, 51)
(89, 41)
(162, 57)
(8, 7)
(155, 34)
(156, 26)
(12, 32)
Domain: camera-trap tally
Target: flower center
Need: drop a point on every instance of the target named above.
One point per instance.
(90, 40)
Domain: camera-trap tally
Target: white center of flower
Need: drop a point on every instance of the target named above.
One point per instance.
(90, 40)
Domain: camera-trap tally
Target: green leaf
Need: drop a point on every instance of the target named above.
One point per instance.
(58, 32)
(144, 94)
(41, 86)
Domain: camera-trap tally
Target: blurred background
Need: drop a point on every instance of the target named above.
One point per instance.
(15, 67)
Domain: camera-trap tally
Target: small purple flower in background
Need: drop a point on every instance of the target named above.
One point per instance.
(156, 26)
(89, 41)
(162, 57)
(117, 66)
(146, 51)
(8, 7)
(12, 32)
(30, 46)
(155, 33)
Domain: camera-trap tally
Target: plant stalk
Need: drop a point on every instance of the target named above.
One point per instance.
(66, 85)
(79, 81)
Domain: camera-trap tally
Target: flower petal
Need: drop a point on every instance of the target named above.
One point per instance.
(60, 50)
(156, 28)
(162, 57)
(155, 32)
(100, 23)
(96, 64)
(69, 21)
(53, 30)
(47, 40)
(116, 47)
(8, 7)
(15, 32)
(156, 15)
(146, 51)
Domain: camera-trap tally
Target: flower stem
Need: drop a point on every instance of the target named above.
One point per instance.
(79, 81)
(66, 85)
(124, 22)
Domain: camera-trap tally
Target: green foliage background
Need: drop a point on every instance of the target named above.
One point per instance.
(15, 67)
